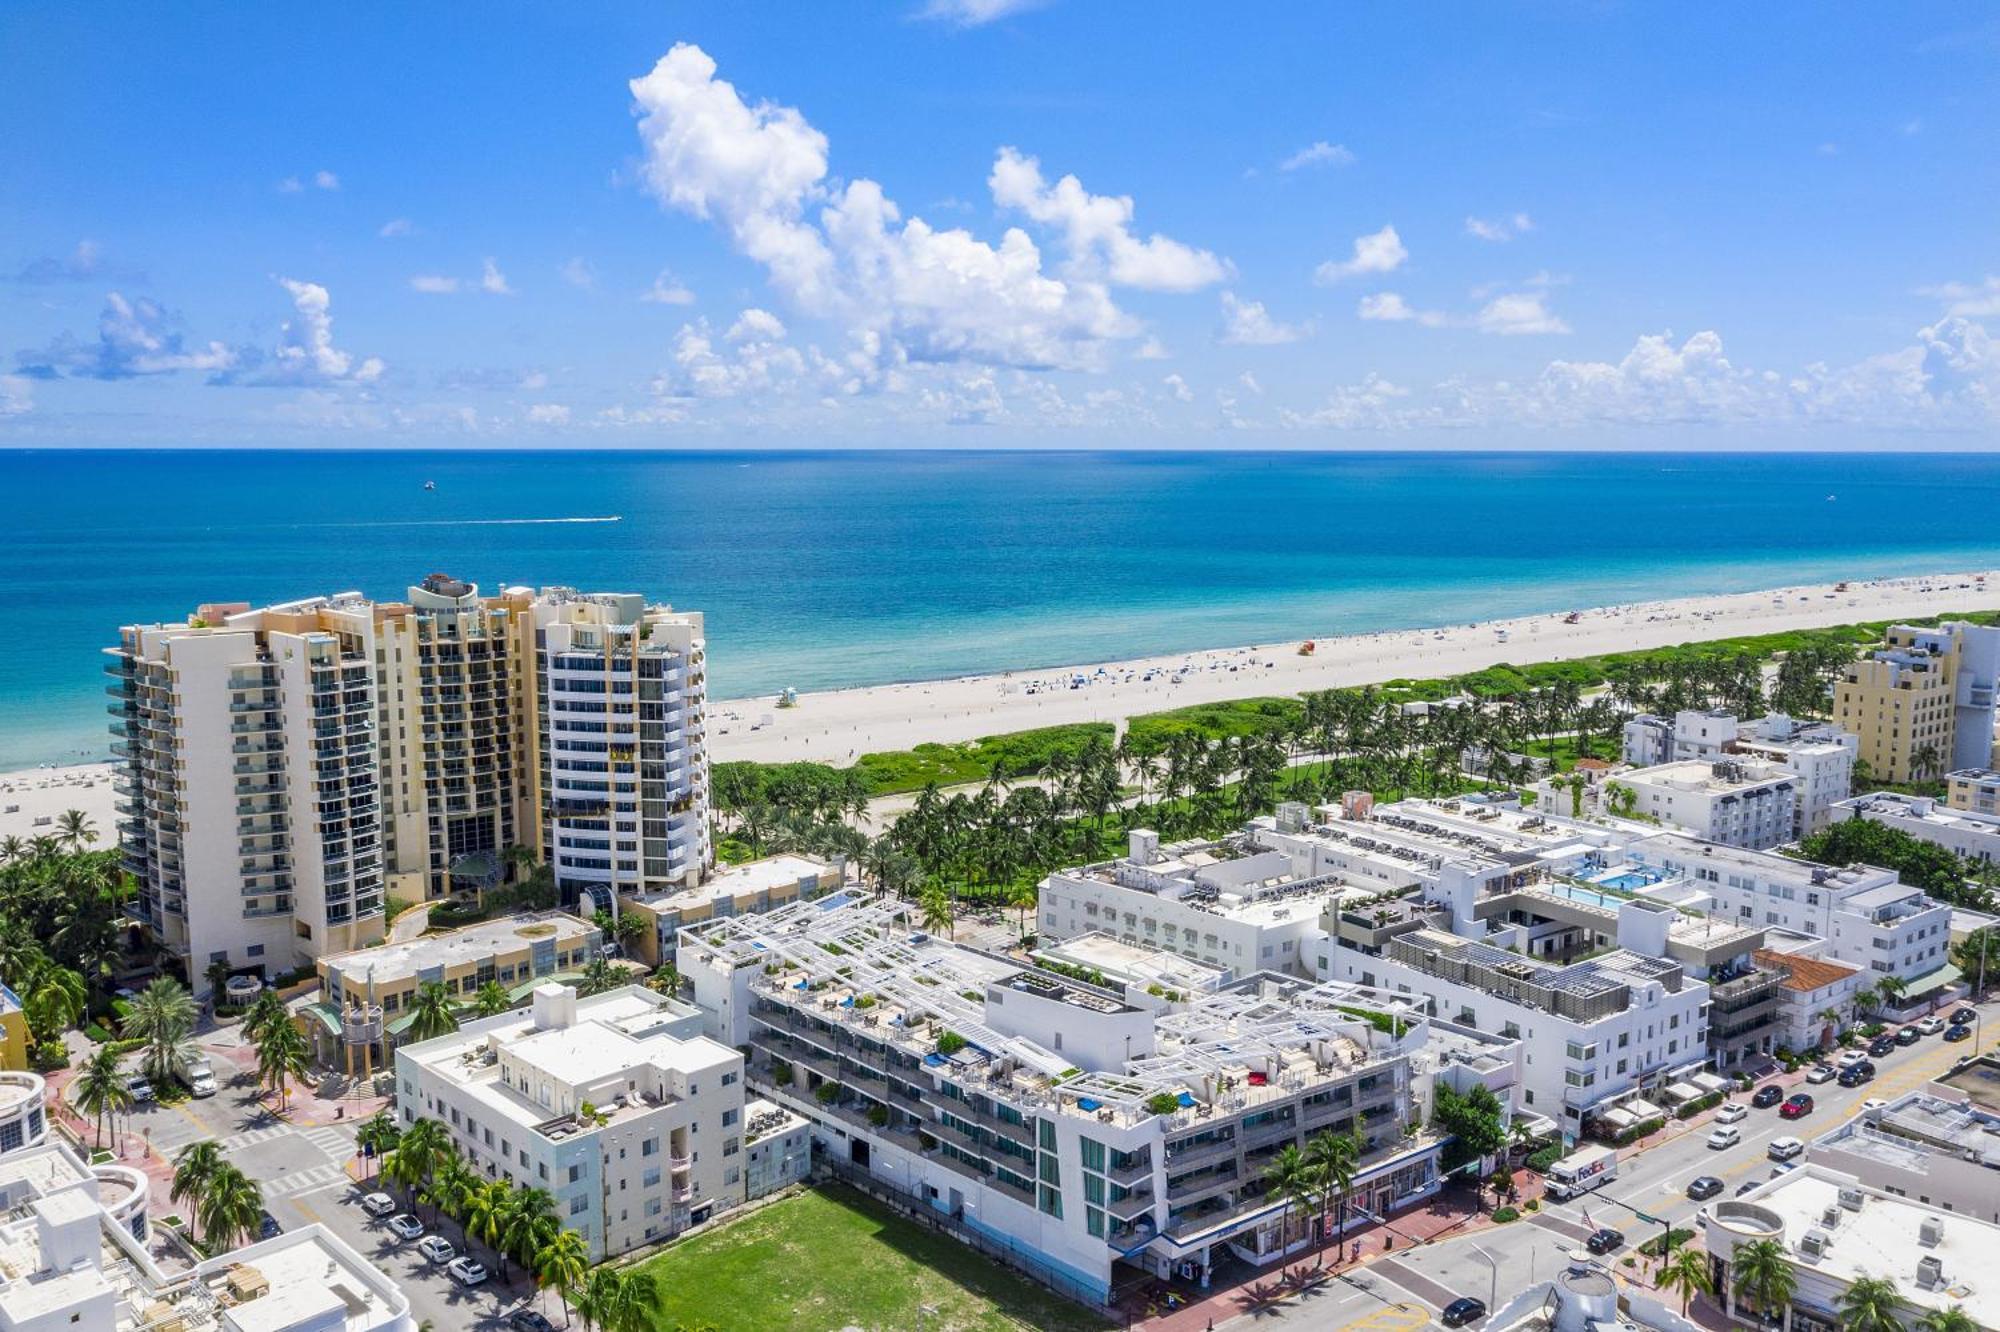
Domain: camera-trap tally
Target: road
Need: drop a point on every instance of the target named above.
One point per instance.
(1427, 1277)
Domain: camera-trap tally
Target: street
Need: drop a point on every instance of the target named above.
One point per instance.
(1497, 1262)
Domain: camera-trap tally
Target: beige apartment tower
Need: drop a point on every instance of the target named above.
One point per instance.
(1924, 704)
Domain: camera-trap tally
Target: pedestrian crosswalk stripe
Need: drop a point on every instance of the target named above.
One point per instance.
(251, 1137)
(301, 1180)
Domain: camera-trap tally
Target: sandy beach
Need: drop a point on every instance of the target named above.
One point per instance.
(835, 726)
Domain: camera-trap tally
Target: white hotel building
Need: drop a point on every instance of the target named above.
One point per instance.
(616, 1104)
(1820, 755)
(1734, 801)
(1089, 1139)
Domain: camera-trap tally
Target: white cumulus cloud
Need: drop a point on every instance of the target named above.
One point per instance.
(1499, 228)
(548, 414)
(1097, 229)
(667, 290)
(1318, 154)
(1518, 313)
(975, 13)
(1179, 388)
(1970, 300)
(434, 284)
(1249, 324)
(306, 354)
(844, 251)
(1378, 252)
(17, 395)
(396, 226)
(492, 281)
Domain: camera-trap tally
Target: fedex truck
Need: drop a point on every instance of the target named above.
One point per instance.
(1581, 1171)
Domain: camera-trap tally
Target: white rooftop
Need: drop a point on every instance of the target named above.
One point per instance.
(397, 962)
(755, 876)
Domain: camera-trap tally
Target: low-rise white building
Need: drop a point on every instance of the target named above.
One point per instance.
(1817, 1000)
(616, 1104)
(1940, 1150)
(73, 1257)
(1974, 836)
(1734, 801)
(1049, 1122)
(1834, 1229)
(1819, 754)
(1974, 790)
(1222, 903)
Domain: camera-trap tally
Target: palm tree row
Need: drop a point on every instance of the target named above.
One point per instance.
(1316, 1180)
(518, 1224)
(60, 907)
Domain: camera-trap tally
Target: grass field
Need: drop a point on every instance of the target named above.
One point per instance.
(830, 1259)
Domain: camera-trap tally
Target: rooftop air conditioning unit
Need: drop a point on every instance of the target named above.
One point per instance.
(1851, 1199)
(1930, 1271)
(1813, 1244)
(1830, 1217)
(1930, 1232)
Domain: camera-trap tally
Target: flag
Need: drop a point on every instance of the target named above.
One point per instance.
(1586, 1219)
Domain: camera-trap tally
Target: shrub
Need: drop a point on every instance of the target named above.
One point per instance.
(97, 1033)
(878, 1116)
(1672, 1239)
(1540, 1161)
(1163, 1103)
(1504, 1214)
(781, 1072)
(950, 1043)
(1532, 1205)
(827, 1093)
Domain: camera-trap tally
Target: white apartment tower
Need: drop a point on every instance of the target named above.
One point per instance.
(620, 696)
(288, 766)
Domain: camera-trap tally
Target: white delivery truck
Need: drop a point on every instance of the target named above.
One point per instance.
(1581, 1171)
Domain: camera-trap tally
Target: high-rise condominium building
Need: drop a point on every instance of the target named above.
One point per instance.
(1923, 705)
(288, 767)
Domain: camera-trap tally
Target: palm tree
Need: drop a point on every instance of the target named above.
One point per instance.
(666, 979)
(1022, 898)
(1869, 1305)
(101, 1089)
(163, 1016)
(282, 1054)
(419, 1153)
(264, 1010)
(377, 1137)
(75, 829)
(1685, 1272)
(1892, 988)
(1866, 998)
(531, 1224)
(230, 1208)
(562, 1262)
(1954, 1319)
(217, 977)
(619, 1300)
(432, 1013)
(194, 1171)
(1831, 1018)
(492, 1000)
(56, 1000)
(1333, 1157)
(599, 976)
(452, 1187)
(1291, 1177)
(936, 907)
(486, 1214)
(1761, 1273)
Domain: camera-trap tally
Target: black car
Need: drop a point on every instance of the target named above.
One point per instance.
(1908, 1036)
(1962, 1017)
(1604, 1240)
(1704, 1187)
(1856, 1074)
(1882, 1045)
(268, 1227)
(1767, 1096)
(1961, 1032)
(1462, 1311)
(529, 1320)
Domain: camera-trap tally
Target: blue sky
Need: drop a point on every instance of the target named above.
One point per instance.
(1065, 224)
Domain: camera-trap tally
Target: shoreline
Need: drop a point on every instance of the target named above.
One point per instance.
(837, 726)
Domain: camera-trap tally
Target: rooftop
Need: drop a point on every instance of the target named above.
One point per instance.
(1131, 964)
(1714, 776)
(1923, 809)
(1833, 1226)
(1232, 878)
(1804, 973)
(748, 879)
(394, 963)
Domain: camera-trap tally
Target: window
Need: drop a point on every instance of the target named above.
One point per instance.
(650, 1147)
(579, 1204)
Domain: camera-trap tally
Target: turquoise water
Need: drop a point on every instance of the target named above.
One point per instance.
(829, 569)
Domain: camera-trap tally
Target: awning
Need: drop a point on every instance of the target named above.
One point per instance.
(1643, 1109)
(1619, 1117)
(1682, 1091)
(1935, 979)
(1714, 1082)
(327, 1017)
(526, 988)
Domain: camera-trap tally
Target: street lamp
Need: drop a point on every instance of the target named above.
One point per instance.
(1493, 1284)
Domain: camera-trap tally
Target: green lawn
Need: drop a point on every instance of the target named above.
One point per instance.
(830, 1259)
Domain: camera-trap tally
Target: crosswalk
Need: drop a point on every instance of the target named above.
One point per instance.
(236, 1142)
(304, 1181)
(331, 1141)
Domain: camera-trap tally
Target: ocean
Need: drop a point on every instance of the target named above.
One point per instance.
(826, 569)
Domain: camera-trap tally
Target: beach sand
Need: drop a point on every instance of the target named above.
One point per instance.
(836, 726)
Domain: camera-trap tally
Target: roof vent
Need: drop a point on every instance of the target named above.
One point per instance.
(1930, 1271)
(1813, 1244)
(1830, 1217)
(1930, 1232)
(1851, 1199)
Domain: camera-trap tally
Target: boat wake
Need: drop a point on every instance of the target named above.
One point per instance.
(469, 522)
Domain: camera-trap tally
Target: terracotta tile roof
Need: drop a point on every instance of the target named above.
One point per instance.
(1594, 764)
(1803, 973)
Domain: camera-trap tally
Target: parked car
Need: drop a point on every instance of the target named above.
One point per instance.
(1962, 1017)
(1784, 1149)
(1747, 1185)
(1728, 1135)
(437, 1249)
(1848, 1057)
(268, 1227)
(1960, 1032)
(466, 1271)
(1703, 1187)
(1461, 1311)
(1604, 1240)
(1855, 1076)
(1729, 1112)
(202, 1084)
(1797, 1106)
(378, 1205)
(141, 1089)
(1819, 1073)
(1908, 1035)
(529, 1320)
(1880, 1046)
(1930, 1026)
(1767, 1096)
(406, 1226)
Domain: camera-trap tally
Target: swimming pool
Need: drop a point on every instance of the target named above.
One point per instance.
(1588, 896)
(1631, 880)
